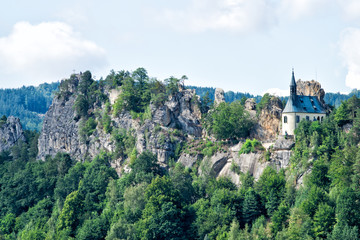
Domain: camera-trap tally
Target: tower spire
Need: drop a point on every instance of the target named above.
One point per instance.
(293, 86)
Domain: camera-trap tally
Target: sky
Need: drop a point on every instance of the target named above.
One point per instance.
(238, 45)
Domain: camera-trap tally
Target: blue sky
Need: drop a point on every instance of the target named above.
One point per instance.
(238, 45)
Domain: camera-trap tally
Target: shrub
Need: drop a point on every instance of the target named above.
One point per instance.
(251, 146)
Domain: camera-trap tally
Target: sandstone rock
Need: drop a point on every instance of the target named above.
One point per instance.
(218, 161)
(227, 172)
(280, 159)
(113, 95)
(60, 131)
(284, 144)
(188, 160)
(250, 104)
(219, 96)
(10, 133)
(252, 163)
(310, 88)
(215, 163)
(268, 125)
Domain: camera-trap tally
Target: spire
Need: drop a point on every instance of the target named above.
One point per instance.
(293, 86)
(293, 83)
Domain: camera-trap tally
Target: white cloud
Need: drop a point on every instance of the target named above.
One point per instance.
(48, 51)
(351, 8)
(232, 15)
(350, 51)
(295, 9)
(277, 92)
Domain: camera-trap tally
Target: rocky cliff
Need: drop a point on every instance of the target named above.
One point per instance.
(10, 133)
(269, 121)
(170, 130)
(61, 127)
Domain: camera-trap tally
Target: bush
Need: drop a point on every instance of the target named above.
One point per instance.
(251, 146)
(229, 121)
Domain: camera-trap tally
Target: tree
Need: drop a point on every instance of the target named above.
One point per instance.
(251, 206)
(279, 218)
(271, 187)
(81, 106)
(324, 220)
(347, 207)
(69, 216)
(229, 121)
(163, 217)
(344, 232)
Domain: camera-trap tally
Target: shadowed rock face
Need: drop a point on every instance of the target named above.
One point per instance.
(10, 133)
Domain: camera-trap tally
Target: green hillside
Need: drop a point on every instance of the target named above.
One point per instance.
(28, 103)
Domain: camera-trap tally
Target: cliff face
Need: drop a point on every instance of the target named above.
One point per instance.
(61, 127)
(10, 133)
(173, 124)
(268, 126)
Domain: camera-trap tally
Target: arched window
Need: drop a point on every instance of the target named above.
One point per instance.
(322, 118)
(297, 119)
(307, 118)
(318, 118)
(285, 119)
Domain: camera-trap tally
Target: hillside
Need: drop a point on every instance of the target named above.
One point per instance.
(131, 157)
(27, 103)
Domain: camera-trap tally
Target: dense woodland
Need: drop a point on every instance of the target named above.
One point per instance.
(61, 198)
(27, 103)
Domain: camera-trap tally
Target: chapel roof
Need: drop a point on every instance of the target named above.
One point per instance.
(304, 104)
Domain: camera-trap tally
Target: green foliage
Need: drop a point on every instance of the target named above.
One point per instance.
(89, 127)
(69, 216)
(211, 148)
(28, 103)
(58, 199)
(106, 123)
(228, 121)
(235, 168)
(251, 146)
(324, 219)
(264, 102)
(252, 206)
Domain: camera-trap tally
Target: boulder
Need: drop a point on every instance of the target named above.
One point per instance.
(250, 104)
(188, 160)
(10, 133)
(219, 96)
(283, 143)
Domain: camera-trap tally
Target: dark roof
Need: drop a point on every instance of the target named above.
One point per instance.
(304, 104)
(293, 83)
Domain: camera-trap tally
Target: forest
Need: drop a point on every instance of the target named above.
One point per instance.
(62, 198)
(28, 103)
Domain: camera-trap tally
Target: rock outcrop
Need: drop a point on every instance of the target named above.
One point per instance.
(219, 96)
(250, 104)
(61, 126)
(254, 163)
(10, 133)
(268, 126)
(310, 88)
